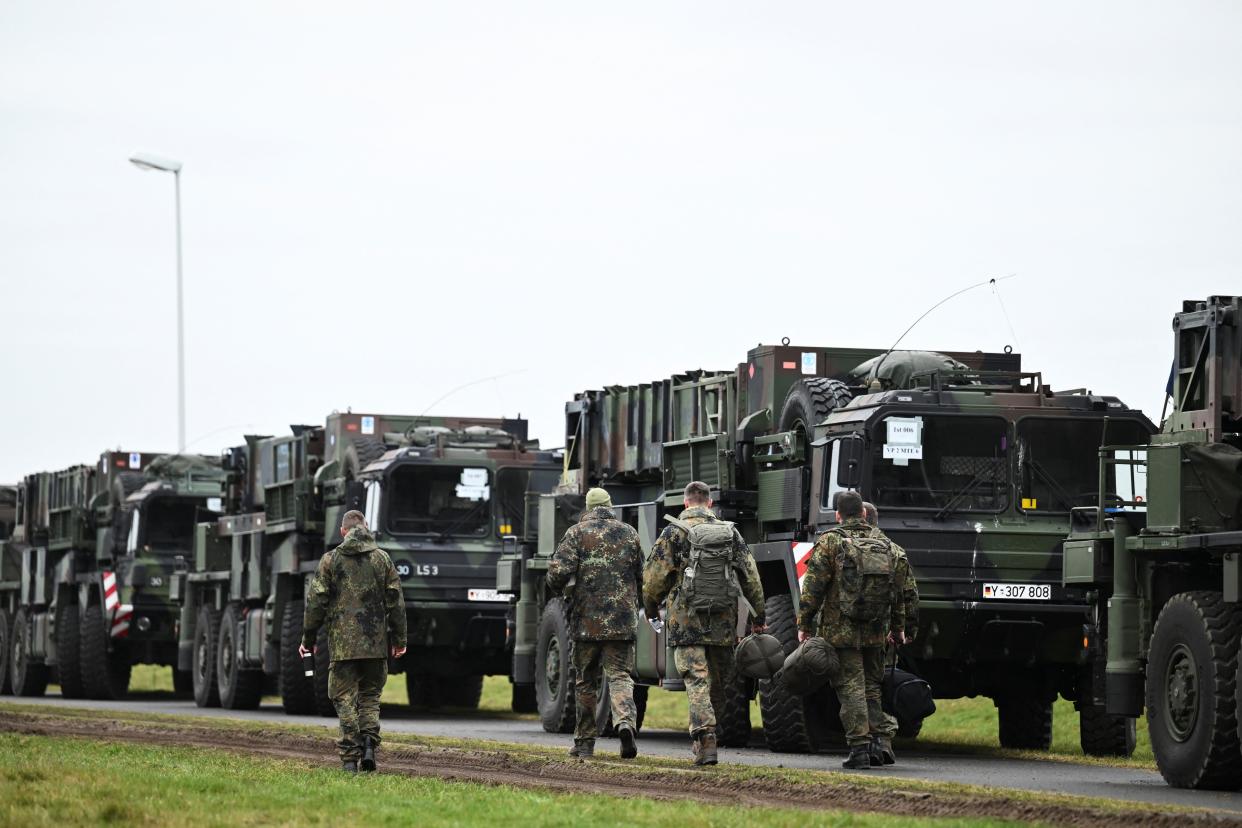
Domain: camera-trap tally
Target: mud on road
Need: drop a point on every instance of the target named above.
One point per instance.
(521, 769)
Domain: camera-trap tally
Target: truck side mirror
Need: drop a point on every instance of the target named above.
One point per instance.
(849, 464)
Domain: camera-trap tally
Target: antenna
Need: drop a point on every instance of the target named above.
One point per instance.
(876, 371)
(464, 385)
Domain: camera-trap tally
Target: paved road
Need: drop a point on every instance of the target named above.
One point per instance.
(1063, 777)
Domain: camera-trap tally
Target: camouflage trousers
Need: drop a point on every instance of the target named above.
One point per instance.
(593, 661)
(858, 689)
(707, 670)
(355, 687)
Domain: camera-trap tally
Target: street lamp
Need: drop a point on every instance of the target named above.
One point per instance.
(146, 161)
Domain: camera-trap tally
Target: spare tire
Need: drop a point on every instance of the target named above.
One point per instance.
(359, 454)
(809, 401)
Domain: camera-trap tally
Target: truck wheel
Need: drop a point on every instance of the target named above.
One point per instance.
(183, 683)
(360, 453)
(68, 651)
(1025, 722)
(1103, 735)
(323, 666)
(105, 675)
(523, 699)
(640, 705)
(1191, 704)
(28, 678)
(809, 401)
(240, 688)
(297, 692)
(462, 691)
(554, 671)
(203, 671)
(791, 723)
(733, 723)
(6, 649)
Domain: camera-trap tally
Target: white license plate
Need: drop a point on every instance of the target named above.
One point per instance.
(487, 595)
(1019, 592)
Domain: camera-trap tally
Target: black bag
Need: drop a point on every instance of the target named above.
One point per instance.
(906, 696)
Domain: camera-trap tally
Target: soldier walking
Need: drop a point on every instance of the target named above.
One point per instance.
(356, 591)
(853, 582)
(598, 565)
(701, 565)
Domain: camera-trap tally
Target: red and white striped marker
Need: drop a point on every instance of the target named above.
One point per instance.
(111, 599)
(802, 555)
(120, 621)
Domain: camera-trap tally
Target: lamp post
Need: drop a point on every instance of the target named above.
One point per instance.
(145, 161)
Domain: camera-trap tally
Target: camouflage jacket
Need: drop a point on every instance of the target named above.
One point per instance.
(357, 593)
(909, 589)
(820, 592)
(602, 557)
(662, 579)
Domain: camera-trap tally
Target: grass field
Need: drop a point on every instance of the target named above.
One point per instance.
(58, 781)
(960, 724)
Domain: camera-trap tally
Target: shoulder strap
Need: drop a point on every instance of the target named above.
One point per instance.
(679, 523)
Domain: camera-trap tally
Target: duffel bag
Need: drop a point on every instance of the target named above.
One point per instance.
(906, 696)
(759, 656)
(809, 667)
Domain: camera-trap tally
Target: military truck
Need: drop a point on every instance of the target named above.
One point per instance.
(976, 466)
(1160, 552)
(442, 495)
(86, 573)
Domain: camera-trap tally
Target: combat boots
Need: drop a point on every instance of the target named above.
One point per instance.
(628, 748)
(349, 766)
(368, 754)
(859, 758)
(881, 753)
(583, 749)
(705, 748)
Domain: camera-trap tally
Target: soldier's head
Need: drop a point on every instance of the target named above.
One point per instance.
(352, 518)
(598, 497)
(849, 506)
(870, 513)
(697, 494)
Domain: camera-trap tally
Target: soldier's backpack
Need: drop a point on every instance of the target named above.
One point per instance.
(709, 583)
(867, 586)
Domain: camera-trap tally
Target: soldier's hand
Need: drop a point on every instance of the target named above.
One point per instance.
(397, 652)
(302, 651)
(803, 635)
(758, 628)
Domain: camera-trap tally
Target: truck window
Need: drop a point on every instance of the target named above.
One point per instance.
(943, 462)
(166, 524)
(1058, 461)
(512, 486)
(438, 500)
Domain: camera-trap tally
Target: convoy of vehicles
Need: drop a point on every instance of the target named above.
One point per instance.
(1062, 545)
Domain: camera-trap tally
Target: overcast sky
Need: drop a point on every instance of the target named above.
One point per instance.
(384, 201)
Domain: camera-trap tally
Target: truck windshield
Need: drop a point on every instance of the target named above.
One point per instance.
(1058, 461)
(512, 486)
(166, 524)
(946, 463)
(450, 501)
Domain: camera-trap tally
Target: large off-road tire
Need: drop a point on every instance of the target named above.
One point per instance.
(791, 723)
(27, 677)
(105, 675)
(203, 670)
(554, 671)
(1024, 722)
(733, 723)
(1103, 735)
(323, 668)
(6, 650)
(809, 401)
(1192, 667)
(360, 453)
(68, 651)
(297, 692)
(240, 688)
(523, 699)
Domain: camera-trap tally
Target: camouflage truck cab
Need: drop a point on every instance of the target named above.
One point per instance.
(979, 493)
(1160, 552)
(441, 493)
(86, 575)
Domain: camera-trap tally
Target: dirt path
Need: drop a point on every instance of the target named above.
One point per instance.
(503, 767)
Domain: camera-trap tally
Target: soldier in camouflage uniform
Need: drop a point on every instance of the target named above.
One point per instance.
(702, 644)
(356, 591)
(883, 726)
(600, 561)
(860, 647)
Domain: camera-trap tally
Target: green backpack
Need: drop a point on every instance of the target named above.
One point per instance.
(868, 585)
(709, 583)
